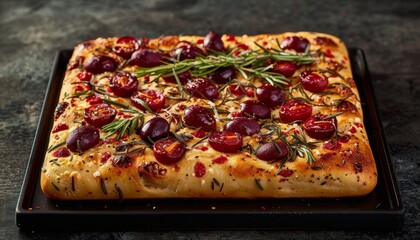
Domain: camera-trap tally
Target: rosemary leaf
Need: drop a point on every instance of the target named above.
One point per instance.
(103, 186)
(123, 129)
(55, 161)
(55, 186)
(259, 184)
(245, 63)
(54, 146)
(133, 125)
(73, 188)
(144, 104)
(107, 100)
(78, 94)
(198, 142)
(332, 116)
(178, 82)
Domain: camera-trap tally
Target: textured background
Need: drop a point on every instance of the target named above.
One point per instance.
(31, 32)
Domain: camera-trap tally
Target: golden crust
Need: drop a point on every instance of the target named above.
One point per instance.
(348, 171)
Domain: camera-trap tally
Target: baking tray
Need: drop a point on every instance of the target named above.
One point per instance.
(381, 209)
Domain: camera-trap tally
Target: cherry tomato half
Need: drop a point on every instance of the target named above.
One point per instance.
(154, 129)
(153, 98)
(313, 81)
(244, 126)
(100, 64)
(320, 127)
(270, 96)
(284, 68)
(213, 42)
(82, 138)
(123, 84)
(145, 57)
(270, 152)
(223, 75)
(168, 150)
(199, 117)
(255, 109)
(225, 141)
(125, 46)
(202, 88)
(99, 115)
(295, 110)
(185, 50)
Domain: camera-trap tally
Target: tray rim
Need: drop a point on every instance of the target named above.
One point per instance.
(25, 218)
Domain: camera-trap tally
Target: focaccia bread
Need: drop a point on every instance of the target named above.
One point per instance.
(266, 116)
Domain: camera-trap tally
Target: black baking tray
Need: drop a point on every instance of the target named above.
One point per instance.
(381, 209)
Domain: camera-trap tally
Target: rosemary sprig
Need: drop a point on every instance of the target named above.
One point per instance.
(126, 125)
(304, 152)
(308, 99)
(250, 64)
(298, 145)
(301, 147)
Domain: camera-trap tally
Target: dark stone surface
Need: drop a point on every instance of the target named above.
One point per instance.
(32, 31)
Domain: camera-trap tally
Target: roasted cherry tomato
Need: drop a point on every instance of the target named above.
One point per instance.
(185, 50)
(213, 42)
(270, 96)
(154, 129)
(125, 46)
(223, 75)
(285, 68)
(199, 117)
(313, 81)
(146, 57)
(100, 64)
(153, 98)
(320, 126)
(82, 138)
(238, 90)
(255, 109)
(202, 88)
(299, 44)
(244, 126)
(270, 152)
(295, 110)
(225, 141)
(100, 114)
(168, 150)
(123, 84)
